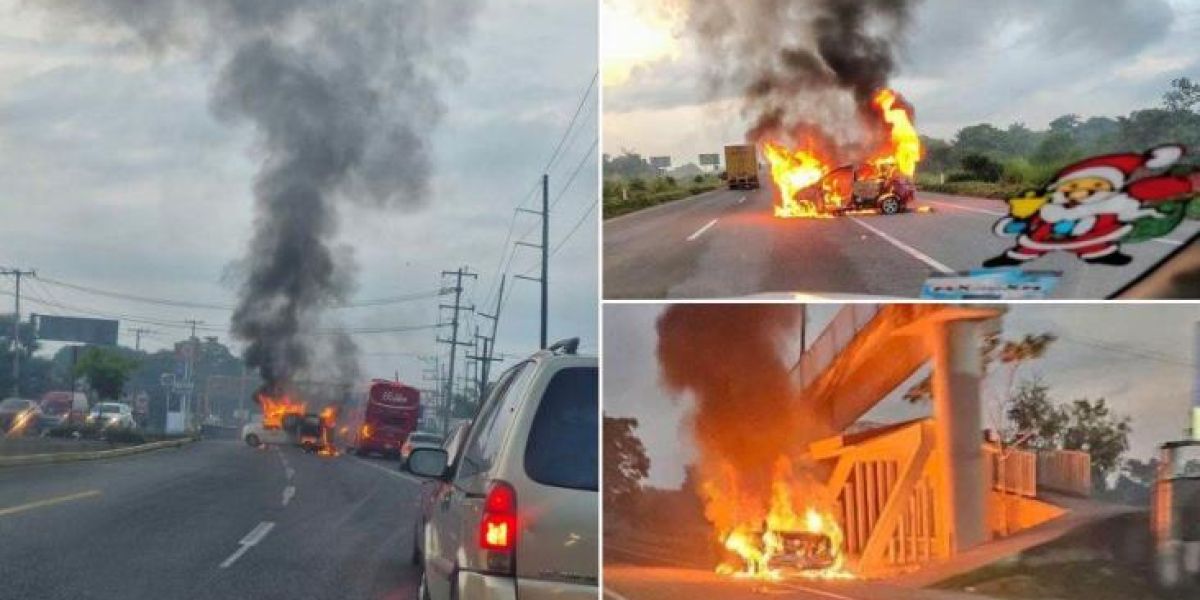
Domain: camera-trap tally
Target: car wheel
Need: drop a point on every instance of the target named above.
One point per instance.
(253, 441)
(889, 205)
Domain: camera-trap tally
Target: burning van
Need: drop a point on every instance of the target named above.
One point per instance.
(859, 187)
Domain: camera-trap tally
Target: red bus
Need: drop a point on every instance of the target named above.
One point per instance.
(383, 415)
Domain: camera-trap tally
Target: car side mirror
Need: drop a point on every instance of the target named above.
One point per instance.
(427, 462)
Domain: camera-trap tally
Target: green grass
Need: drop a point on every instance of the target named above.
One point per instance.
(978, 189)
(622, 199)
(1082, 580)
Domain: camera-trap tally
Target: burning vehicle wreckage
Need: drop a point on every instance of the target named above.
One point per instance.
(286, 420)
(817, 178)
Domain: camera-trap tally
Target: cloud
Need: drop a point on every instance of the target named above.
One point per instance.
(116, 176)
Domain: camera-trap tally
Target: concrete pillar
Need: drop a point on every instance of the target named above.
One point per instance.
(957, 410)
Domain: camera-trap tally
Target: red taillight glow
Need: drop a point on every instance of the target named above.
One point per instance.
(498, 527)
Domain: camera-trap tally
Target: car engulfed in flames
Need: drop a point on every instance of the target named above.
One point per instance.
(811, 182)
(799, 537)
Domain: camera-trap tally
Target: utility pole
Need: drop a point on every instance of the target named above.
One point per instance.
(545, 247)
(453, 341)
(489, 344)
(137, 340)
(16, 330)
(189, 368)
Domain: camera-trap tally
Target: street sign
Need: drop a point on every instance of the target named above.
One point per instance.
(660, 162)
(98, 332)
(710, 160)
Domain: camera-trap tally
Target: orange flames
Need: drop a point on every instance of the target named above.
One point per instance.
(792, 171)
(797, 536)
(796, 169)
(329, 422)
(274, 409)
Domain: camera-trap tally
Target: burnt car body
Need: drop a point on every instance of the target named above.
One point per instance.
(860, 187)
(802, 551)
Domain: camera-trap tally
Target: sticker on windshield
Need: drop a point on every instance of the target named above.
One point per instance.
(991, 284)
(1092, 207)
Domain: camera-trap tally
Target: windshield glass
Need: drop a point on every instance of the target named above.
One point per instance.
(108, 408)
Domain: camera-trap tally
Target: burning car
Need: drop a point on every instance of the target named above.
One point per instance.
(801, 551)
(859, 187)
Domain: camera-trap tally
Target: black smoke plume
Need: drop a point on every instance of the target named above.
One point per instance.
(343, 96)
(816, 61)
(734, 362)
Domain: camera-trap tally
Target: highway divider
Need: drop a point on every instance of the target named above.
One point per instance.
(63, 457)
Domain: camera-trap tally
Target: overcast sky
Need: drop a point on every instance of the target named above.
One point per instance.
(962, 62)
(114, 175)
(1140, 358)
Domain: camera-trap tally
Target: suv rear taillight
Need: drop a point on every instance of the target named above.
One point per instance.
(498, 527)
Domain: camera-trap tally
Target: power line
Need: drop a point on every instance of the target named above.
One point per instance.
(422, 295)
(1144, 354)
(586, 94)
(160, 322)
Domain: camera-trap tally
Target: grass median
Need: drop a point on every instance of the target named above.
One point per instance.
(624, 196)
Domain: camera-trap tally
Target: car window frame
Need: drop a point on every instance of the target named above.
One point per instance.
(483, 422)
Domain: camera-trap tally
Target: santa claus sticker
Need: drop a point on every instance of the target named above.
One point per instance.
(1091, 207)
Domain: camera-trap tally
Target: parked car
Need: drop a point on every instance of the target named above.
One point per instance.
(19, 416)
(860, 187)
(112, 415)
(516, 514)
(255, 434)
(61, 408)
(419, 439)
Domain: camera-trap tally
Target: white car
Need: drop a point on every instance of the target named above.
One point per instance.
(516, 515)
(255, 435)
(112, 415)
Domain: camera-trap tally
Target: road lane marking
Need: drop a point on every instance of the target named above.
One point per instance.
(742, 199)
(803, 588)
(255, 536)
(290, 472)
(1167, 241)
(12, 510)
(394, 473)
(909, 250)
(700, 232)
(609, 593)
(970, 208)
(288, 492)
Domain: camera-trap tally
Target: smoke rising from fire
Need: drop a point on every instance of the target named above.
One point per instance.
(800, 63)
(734, 362)
(342, 96)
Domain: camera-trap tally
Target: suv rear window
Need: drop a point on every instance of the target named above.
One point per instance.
(562, 446)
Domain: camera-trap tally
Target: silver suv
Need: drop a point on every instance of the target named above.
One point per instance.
(516, 514)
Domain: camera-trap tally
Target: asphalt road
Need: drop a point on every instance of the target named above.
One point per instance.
(213, 519)
(726, 244)
(631, 582)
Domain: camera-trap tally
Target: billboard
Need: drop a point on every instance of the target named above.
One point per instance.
(710, 159)
(660, 162)
(98, 332)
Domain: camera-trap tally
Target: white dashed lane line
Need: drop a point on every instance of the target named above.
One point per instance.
(700, 232)
(255, 536)
(393, 472)
(288, 493)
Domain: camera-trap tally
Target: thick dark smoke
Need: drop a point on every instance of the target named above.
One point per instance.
(734, 362)
(343, 96)
(801, 62)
